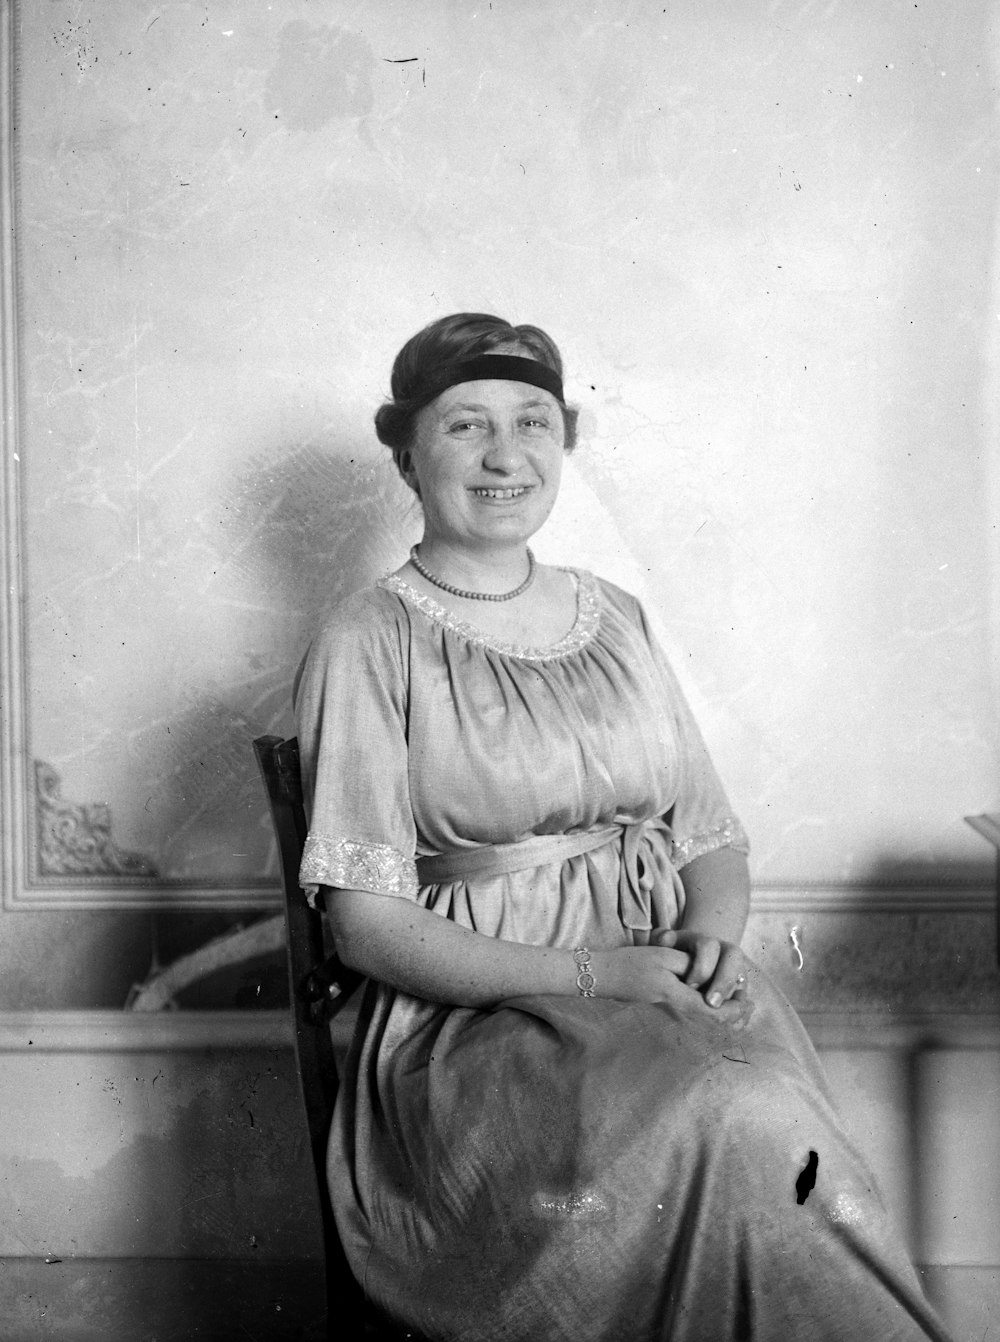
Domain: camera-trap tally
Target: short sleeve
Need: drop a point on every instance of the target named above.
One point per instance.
(350, 711)
(701, 819)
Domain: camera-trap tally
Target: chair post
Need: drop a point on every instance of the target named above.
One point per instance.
(318, 985)
(305, 951)
(988, 825)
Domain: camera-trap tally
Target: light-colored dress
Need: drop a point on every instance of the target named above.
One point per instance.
(560, 1167)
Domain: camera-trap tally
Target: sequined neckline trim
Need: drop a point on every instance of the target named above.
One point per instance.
(588, 617)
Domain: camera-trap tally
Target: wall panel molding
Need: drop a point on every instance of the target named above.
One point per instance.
(932, 897)
(75, 838)
(55, 854)
(189, 1031)
(13, 849)
(141, 1031)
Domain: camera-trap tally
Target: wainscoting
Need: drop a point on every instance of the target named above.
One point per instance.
(922, 1096)
(156, 1179)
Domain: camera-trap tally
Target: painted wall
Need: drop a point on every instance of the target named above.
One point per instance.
(155, 1183)
(762, 237)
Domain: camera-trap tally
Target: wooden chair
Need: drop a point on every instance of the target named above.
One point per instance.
(319, 986)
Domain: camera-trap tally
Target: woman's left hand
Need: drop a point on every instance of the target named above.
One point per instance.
(719, 969)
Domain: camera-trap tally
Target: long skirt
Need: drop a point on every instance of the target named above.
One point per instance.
(559, 1169)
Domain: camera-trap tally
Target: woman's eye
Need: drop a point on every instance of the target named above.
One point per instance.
(535, 424)
(463, 426)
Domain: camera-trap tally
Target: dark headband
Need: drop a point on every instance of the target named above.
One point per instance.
(488, 368)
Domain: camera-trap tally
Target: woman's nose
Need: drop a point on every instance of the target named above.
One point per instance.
(503, 451)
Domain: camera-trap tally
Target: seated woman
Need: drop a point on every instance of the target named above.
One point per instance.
(572, 1108)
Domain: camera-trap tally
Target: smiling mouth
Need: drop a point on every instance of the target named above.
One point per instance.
(514, 493)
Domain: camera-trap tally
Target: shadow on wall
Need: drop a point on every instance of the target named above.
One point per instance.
(898, 963)
(179, 1200)
(301, 530)
(939, 960)
(316, 523)
(902, 961)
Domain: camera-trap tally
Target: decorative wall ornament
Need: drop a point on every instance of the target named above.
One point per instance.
(74, 838)
(210, 850)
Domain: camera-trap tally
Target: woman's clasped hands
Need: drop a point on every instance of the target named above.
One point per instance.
(680, 965)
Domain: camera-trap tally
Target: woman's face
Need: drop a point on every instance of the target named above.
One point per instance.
(486, 462)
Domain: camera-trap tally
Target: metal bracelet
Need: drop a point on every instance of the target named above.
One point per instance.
(585, 981)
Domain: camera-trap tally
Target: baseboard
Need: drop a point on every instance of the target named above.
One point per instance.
(170, 1299)
(217, 1299)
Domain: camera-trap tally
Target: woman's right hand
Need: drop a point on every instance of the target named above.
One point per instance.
(656, 974)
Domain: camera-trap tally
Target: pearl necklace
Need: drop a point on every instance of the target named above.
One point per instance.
(462, 591)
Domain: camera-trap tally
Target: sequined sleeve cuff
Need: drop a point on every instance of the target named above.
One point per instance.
(355, 866)
(730, 834)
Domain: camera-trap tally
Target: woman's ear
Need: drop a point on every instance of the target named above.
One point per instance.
(571, 425)
(404, 462)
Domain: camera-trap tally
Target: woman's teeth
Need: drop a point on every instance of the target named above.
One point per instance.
(501, 493)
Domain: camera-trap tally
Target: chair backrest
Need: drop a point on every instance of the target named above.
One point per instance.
(318, 986)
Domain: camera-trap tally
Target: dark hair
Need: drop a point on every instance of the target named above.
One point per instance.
(464, 335)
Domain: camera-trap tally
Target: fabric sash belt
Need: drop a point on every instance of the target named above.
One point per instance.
(649, 891)
(501, 858)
